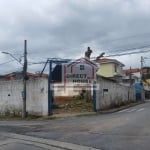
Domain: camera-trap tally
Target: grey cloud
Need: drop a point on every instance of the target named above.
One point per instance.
(64, 28)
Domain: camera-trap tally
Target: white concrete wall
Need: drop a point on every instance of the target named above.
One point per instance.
(68, 90)
(110, 94)
(37, 96)
(11, 97)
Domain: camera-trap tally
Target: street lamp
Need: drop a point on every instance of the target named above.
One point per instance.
(12, 57)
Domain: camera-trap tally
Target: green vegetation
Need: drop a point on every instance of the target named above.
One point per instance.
(147, 74)
(74, 105)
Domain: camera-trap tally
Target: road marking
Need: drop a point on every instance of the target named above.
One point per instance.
(131, 110)
(46, 142)
(140, 110)
(123, 110)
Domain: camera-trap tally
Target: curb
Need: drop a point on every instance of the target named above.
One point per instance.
(53, 144)
(120, 108)
(58, 116)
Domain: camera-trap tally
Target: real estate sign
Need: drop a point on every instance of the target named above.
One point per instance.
(81, 71)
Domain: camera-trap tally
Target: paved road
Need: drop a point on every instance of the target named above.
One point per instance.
(11, 141)
(128, 129)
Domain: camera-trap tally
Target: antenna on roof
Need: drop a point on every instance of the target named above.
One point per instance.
(88, 53)
(101, 55)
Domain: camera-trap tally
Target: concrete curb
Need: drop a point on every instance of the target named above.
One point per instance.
(51, 143)
(120, 108)
(57, 116)
(66, 115)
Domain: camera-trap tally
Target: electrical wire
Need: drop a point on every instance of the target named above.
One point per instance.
(12, 70)
(130, 49)
(111, 55)
(127, 37)
(129, 53)
(7, 62)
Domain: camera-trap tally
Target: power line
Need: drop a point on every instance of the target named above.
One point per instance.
(130, 49)
(126, 37)
(110, 43)
(129, 53)
(113, 55)
(134, 51)
(146, 57)
(7, 62)
(13, 70)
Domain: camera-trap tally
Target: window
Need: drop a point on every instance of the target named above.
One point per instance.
(115, 68)
(81, 67)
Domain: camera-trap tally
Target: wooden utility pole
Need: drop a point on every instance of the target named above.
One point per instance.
(24, 94)
(130, 77)
(142, 88)
(142, 60)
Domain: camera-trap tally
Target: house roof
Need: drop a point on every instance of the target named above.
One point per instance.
(83, 60)
(12, 75)
(106, 60)
(57, 71)
(135, 70)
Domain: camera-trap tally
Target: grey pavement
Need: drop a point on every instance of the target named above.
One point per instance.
(16, 141)
(127, 129)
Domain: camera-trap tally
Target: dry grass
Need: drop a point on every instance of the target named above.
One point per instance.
(72, 105)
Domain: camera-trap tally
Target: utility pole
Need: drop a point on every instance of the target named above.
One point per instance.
(142, 60)
(130, 77)
(24, 94)
(142, 88)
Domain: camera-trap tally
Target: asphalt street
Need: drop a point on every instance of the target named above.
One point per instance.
(127, 129)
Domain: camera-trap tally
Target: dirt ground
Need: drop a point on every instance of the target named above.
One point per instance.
(72, 105)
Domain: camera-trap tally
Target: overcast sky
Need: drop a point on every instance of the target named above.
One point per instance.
(65, 28)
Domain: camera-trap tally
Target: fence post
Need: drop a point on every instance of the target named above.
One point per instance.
(50, 93)
(94, 96)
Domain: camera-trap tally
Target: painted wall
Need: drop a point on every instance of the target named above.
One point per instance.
(119, 70)
(75, 76)
(110, 94)
(11, 97)
(106, 70)
(37, 97)
(146, 85)
(70, 89)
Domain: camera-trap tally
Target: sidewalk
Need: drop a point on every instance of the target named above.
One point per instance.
(120, 108)
(65, 115)
(75, 114)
